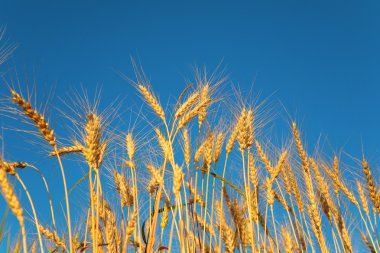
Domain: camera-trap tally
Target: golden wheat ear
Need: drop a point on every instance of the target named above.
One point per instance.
(67, 150)
(371, 186)
(52, 236)
(13, 202)
(33, 115)
(152, 101)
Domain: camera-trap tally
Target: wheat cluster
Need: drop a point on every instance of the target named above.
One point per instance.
(202, 179)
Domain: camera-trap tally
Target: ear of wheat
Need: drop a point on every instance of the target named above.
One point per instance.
(33, 115)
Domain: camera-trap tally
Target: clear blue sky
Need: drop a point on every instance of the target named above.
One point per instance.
(321, 59)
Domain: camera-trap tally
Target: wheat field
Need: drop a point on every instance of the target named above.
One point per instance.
(194, 183)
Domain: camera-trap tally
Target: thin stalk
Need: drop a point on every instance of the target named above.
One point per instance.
(221, 200)
(93, 235)
(49, 197)
(274, 226)
(33, 210)
(66, 198)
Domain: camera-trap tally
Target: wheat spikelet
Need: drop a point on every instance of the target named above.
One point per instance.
(152, 101)
(19, 165)
(254, 209)
(131, 225)
(325, 206)
(197, 197)
(177, 180)
(33, 248)
(344, 233)
(102, 151)
(282, 201)
(10, 197)
(52, 236)
(9, 168)
(187, 149)
(218, 146)
(190, 115)
(253, 171)
(363, 197)
(328, 205)
(246, 233)
(350, 195)
(285, 178)
(264, 158)
(219, 212)
(94, 148)
(270, 193)
(245, 136)
(204, 225)
(208, 152)
(249, 129)
(371, 186)
(165, 216)
(130, 144)
(237, 214)
(129, 164)
(204, 99)
(225, 230)
(187, 105)
(152, 186)
(242, 129)
(280, 164)
(232, 139)
(111, 231)
(288, 242)
(315, 221)
(201, 150)
(38, 119)
(164, 144)
(228, 237)
(124, 189)
(156, 179)
(67, 150)
(296, 192)
(340, 185)
(313, 211)
(301, 150)
(321, 182)
(367, 243)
